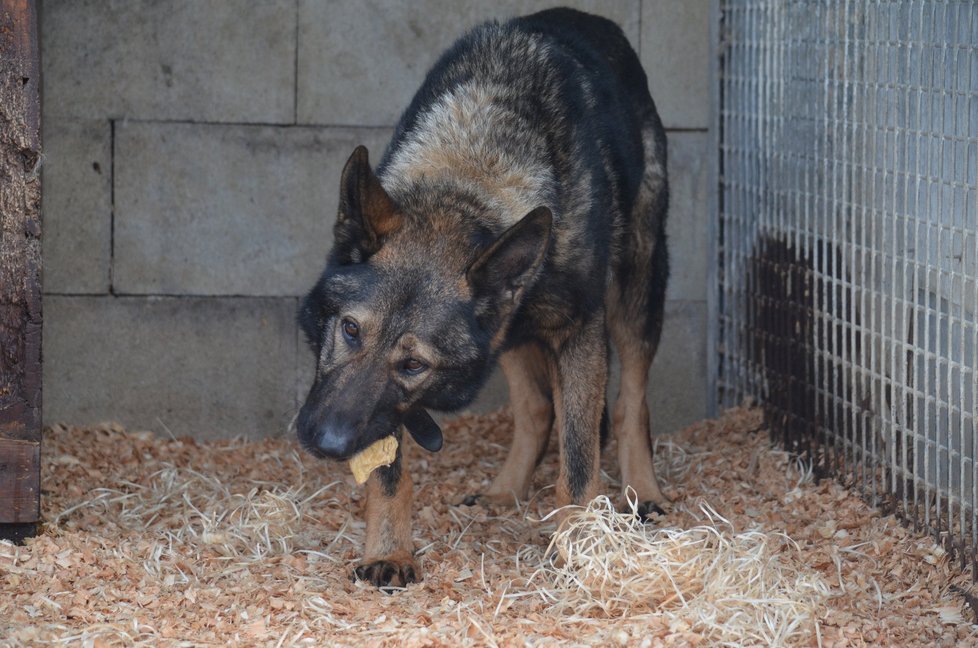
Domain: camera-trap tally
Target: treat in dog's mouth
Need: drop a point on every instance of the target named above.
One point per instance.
(380, 453)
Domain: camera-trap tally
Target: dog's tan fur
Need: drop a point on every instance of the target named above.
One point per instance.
(529, 374)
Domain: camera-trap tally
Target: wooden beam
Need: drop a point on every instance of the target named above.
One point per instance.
(20, 269)
(19, 461)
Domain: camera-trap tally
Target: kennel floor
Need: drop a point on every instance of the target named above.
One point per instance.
(153, 541)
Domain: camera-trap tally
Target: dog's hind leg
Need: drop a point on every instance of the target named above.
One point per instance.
(389, 553)
(527, 372)
(636, 303)
(630, 422)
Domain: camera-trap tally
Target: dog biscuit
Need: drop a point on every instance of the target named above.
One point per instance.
(380, 453)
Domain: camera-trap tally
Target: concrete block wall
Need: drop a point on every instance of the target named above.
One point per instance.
(192, 158)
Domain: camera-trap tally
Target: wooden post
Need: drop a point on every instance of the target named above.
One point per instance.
(20, 270)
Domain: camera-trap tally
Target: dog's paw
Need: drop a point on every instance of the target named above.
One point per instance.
(649, 511)
(388, 574)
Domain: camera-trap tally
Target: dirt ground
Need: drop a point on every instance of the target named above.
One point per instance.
(151, 541)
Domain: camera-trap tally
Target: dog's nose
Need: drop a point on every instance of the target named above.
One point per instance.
(335, 441)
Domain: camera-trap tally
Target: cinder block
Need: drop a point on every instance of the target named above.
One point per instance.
(204, 61)
(361, 62)
(206, 368)
(688, 225)
(77, 181)
(218, 210)
(676, 56)
(677, 382)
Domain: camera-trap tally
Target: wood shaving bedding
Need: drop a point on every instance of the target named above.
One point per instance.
(151, 541)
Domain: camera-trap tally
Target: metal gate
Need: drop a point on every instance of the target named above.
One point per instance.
(846, 274)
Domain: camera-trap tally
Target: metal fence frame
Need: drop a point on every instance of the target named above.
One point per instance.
(844, 286)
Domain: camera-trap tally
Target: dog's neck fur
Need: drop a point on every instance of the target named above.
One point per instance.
(456, 140)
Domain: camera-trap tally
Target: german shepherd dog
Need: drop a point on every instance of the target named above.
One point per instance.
(518, 215)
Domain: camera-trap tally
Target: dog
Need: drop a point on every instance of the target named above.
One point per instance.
(517, 216)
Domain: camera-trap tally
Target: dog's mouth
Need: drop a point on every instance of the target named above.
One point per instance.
(424, 430)
(418, 422)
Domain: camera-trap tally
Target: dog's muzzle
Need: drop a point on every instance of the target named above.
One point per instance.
(335, 441)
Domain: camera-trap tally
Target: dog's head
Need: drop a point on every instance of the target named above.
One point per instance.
(408, 314)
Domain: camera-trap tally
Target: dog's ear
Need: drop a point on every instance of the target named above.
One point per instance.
(501, 274)
(366, 212)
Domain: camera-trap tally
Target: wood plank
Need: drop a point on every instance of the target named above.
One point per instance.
(19, 481)
(20, 267)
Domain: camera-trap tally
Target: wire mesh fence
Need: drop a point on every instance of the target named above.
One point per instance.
(847, 259)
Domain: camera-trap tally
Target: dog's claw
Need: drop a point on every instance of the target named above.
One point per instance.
(471, 500)
(647, 510)
(386, 574)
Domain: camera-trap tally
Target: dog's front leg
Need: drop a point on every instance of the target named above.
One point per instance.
(580, 381)
(389, 553)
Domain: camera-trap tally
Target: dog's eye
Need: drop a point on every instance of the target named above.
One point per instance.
(413, 366)
(351, 330)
